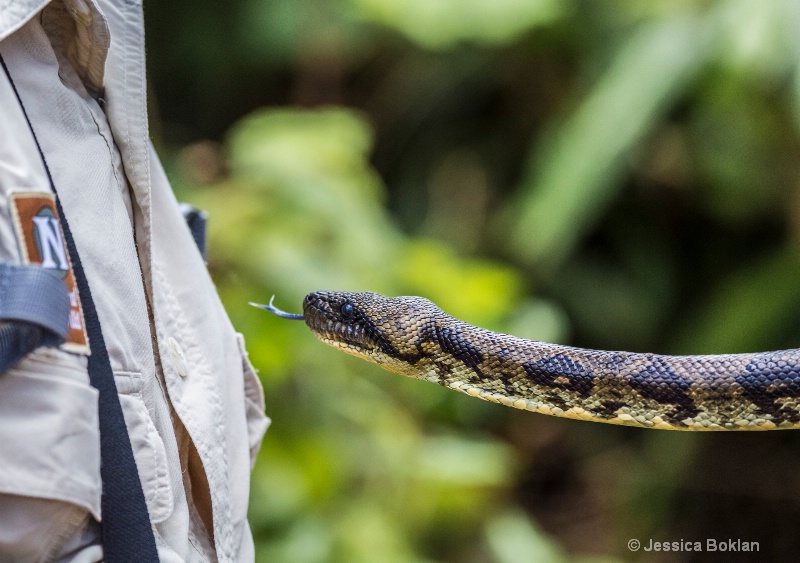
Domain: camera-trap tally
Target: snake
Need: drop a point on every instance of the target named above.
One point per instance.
(413, 337)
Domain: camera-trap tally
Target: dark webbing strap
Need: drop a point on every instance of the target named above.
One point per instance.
(34, 311)
(127, 532)
(196, 219)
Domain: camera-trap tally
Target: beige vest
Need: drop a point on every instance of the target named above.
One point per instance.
(192, 402)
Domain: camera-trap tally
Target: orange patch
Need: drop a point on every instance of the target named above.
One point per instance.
(42, 241)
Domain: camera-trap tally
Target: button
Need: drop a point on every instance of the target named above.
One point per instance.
(178, 358)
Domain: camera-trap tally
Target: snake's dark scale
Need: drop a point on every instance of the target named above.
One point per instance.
(412, 336)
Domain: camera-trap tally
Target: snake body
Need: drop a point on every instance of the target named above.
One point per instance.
(413, 337)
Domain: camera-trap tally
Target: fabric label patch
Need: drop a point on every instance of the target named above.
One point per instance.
(42, 242)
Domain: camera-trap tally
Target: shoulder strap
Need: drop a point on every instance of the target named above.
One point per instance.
(127, 532)
(196, 219)
(34, 308)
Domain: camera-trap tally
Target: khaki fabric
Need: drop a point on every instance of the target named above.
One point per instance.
(192, 402)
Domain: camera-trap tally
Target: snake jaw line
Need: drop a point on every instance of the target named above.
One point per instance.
(413, 337)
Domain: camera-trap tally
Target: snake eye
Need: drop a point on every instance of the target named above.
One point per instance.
(347, 310)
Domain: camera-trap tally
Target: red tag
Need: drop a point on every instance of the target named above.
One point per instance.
(39, 230)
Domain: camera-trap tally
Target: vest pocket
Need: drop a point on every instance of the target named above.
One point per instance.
(148, 447)
(49, 433)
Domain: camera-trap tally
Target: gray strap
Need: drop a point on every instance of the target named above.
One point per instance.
(34, 312)
(34, 295)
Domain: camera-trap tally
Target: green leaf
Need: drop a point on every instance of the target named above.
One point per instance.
(578, 171)
(441, 24)
(749, 311)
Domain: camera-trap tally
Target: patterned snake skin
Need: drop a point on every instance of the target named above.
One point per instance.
(413, 337)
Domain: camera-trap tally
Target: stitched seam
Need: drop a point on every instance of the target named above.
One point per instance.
(159, 469)
(21, 17)
(199, 360)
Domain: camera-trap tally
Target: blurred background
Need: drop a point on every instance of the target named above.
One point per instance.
(618, 175)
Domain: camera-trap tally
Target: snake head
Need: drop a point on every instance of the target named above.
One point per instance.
(384, 330)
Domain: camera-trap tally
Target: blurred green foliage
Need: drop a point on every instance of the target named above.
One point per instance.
(615, 175)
